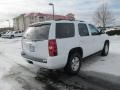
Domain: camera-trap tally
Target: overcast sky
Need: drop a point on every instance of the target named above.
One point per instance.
(83, 9)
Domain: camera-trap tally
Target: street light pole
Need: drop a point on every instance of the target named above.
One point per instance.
(51, 4)
(8, 22)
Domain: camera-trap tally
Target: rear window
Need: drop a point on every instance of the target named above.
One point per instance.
(39, 32)
(65, 30)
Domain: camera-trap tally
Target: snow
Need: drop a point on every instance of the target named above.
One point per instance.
(16, 73)
(10, 59)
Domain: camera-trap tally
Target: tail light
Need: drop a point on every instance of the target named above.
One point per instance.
(52, 46)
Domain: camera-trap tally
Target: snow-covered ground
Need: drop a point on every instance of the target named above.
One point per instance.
(16, 73)
(11, 64)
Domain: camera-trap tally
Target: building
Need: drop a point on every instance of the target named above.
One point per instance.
(19, 22)
(6, 29)
(24, 20)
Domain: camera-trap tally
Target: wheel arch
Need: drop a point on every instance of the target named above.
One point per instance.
(76, 49)
(12, 35)
(68, 64)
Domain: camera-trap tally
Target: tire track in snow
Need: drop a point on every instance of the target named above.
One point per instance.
(47, 84)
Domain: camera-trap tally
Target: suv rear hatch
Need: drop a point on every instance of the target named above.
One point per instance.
(35, 41)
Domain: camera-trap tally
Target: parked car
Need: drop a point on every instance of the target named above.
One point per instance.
(1, 33)
(13, 34)
(5, 34)
(62, 44)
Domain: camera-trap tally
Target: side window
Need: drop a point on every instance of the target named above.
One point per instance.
(65, 30)
(16, 32)
(94, 30)
(83, 30)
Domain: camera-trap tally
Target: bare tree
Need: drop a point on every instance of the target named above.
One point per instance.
(103, 16)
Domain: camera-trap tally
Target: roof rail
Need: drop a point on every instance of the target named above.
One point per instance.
(63, 19)
(82, 21)
(79, 20)
(68, 20)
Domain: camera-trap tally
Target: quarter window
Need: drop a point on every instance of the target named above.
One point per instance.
(65, 30)
(83, 30)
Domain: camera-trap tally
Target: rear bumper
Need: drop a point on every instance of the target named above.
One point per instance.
(49, 63)
(33, 58)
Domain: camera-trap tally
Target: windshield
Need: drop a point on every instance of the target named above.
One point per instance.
(9, 32)
(39, 32)
(6, 32)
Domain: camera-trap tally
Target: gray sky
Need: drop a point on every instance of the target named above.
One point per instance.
(83, 9)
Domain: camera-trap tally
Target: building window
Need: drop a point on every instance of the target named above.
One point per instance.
(41, 19)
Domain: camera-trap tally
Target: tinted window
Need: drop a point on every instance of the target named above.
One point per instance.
(94, 30)
(16, 32)
(83, 30)
(64, 30)
(40, 32)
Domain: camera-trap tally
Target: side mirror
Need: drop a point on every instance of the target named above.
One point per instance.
(102, 32)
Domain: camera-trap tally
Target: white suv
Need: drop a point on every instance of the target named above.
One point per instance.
(13, 34)
(62, 44)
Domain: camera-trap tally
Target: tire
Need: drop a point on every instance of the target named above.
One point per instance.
(73, 68)
(105, 50)
(11, 37)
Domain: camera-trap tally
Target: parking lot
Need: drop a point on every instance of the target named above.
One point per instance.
(16, 74)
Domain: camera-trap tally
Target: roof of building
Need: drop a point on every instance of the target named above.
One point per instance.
(57, 21)
(50, 15)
